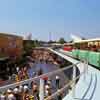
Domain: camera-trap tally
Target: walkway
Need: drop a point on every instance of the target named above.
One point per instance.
(87, 88)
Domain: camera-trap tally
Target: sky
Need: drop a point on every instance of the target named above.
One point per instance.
(60, 18)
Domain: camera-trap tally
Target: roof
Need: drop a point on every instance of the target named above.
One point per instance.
(88, 40)
(69, 43)
(10, 34)
(57, 44)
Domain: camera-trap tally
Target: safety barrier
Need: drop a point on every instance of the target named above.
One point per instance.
(72, 82)
(40, 78)
(62, 89)
(3, 88)
(92, 57)
(83, 54)
(75, 53)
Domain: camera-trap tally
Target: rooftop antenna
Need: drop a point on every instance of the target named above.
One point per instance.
(50, 38)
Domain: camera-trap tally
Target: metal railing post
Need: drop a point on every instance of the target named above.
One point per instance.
(74, 81)
(85, 68)
(41, 91)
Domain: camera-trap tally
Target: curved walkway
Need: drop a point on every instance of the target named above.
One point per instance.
(88, 86)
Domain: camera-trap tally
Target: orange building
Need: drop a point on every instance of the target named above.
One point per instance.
(10, 45)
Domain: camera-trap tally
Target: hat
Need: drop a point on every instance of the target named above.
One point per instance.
(9, 91)
(49, 82)
(26, 88)
(11, 97)
(57, 77)
(21, 88)
(16, 90)
(47, 87)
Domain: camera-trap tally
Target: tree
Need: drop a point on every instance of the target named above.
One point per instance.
(71, 41)
(61, 40)
(83, 38)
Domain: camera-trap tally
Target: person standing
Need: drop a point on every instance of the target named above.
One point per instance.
(26, 95)
(10, 95)
(35, 91)
(21, 91)
(59, 96)
(3, 96)
(16, 94)
(57, 82)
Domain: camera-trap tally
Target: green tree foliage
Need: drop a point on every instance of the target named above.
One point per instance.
(29, 44)
(61, 40)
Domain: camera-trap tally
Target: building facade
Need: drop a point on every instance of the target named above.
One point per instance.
(10, 45)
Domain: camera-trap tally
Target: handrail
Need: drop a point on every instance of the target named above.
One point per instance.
(62, 89)
(72, 82)
(37, 77)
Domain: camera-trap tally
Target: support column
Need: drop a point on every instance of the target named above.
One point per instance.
(84, 65)
(41, 91)
(87, 66)
(74, 81)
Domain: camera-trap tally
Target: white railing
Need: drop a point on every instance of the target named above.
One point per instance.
(32, 79)
(28, 81)
(73, 82)
(64, 88)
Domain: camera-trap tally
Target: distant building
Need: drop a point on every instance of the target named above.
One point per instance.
(28, 36)
(75, 38)
(10, 45)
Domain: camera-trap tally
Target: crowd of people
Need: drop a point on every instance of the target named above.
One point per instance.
(45, 56)
(25, 92)
(36, 56)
